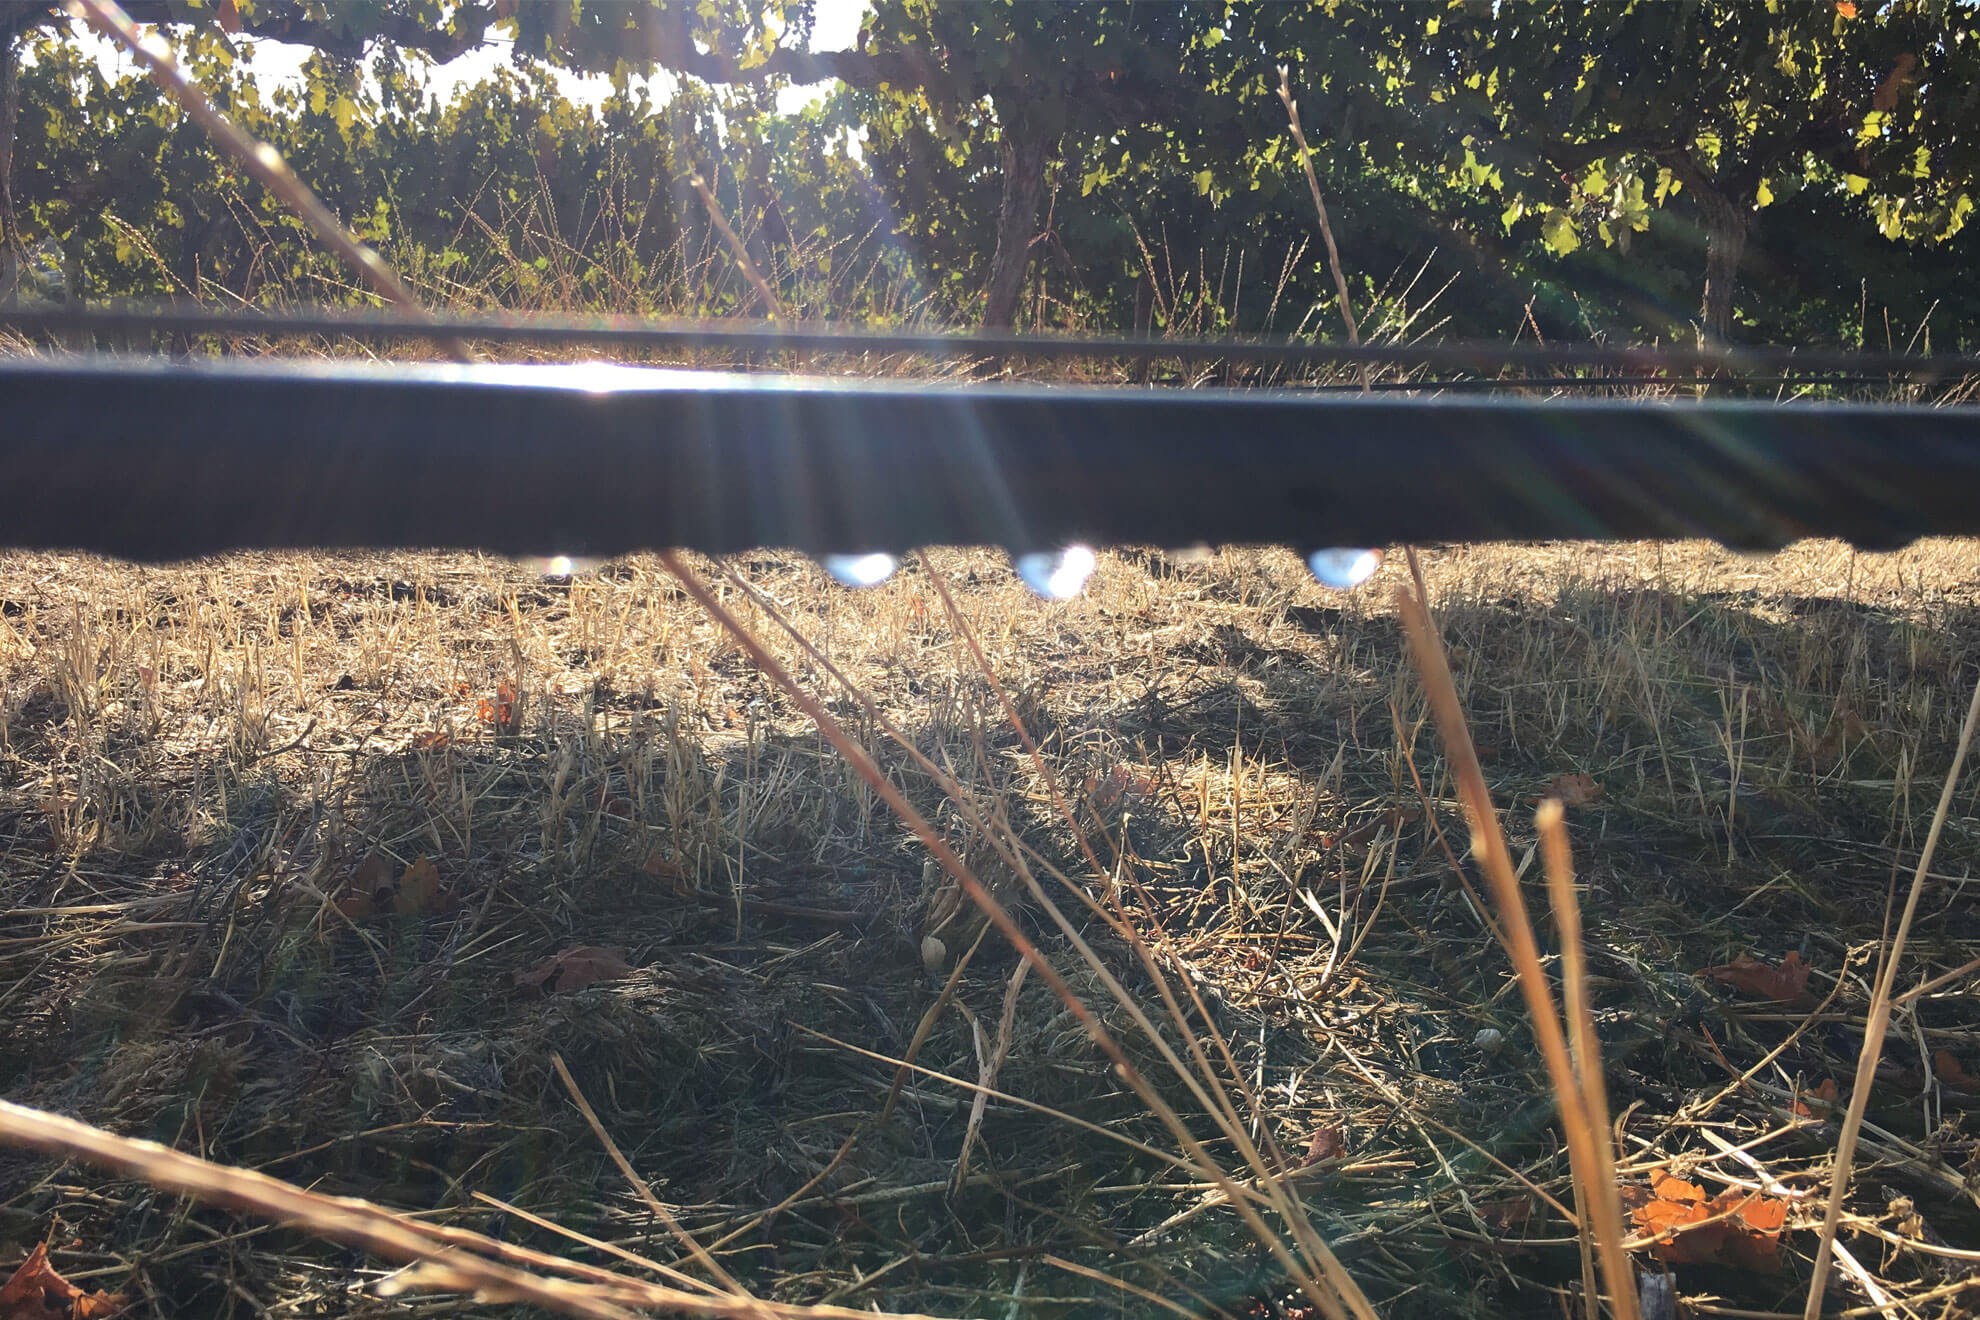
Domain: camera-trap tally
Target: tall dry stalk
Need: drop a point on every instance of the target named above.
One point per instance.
(1592, 1165)
(1880, 1021)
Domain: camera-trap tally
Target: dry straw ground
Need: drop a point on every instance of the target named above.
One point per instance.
(205, 768)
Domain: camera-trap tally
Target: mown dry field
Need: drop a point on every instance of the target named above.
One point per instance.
(290, 847)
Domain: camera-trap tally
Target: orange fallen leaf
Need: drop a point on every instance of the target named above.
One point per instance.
(1951, 1075)
(37, 1292)
(1786, 984)
(1573, 790)
(228, 14)
(1817, 1101)
(575, 968)
(1736, 1228)
(504, 712)
(419, 890)
(431, 740)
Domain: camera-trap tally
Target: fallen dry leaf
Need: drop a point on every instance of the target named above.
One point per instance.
(419, 890)
(366, 889)
(1951, 1075)
(1736, 1228)
(575, 968)
(1329, 1143)
(1818, 1101)
(1786, 984)
(37, 1292)
(1573, 790)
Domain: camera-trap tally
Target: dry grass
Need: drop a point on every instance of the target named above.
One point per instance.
(193, 760)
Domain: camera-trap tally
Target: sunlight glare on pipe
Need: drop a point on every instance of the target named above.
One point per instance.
(1056, 574)
(1342, 568)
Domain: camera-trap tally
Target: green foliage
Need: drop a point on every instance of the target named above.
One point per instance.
(1584, 117)
(1576, 163)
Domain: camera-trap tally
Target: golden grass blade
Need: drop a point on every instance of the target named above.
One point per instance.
(1124, 928)
(1880, 1021)
(1488, 845)
(1340, 1293)
(1584, 1051)
(380, 1231)
(653, 1203)
(1203, 1085)
(773, 307)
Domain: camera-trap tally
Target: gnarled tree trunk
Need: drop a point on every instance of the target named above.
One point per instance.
(1726, 224)
(1024, 156)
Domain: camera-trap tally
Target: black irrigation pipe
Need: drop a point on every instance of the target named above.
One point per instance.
(744, 340)
(158, 461)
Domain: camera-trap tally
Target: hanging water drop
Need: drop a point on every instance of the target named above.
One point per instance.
(1342, 568)
(1057, 574)
(860, 570)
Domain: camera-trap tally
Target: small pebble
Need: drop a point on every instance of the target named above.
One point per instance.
(934, 956)
(1489, 1039)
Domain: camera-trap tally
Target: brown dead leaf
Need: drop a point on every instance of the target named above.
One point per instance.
(1329, 1143)
(1573, 790)
(419, 893)
(228, 14)
(1951, 1075)
(1819, 1101)
(575, 968)
(366, 889)
(37, 1292)
(1786, 984)
(431, 740)
(1508, 1213)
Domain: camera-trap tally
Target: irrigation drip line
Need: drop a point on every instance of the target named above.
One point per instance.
(154, 460)
(1483, 384)
(677, 336)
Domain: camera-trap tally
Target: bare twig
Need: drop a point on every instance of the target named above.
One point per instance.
(1320, 205)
